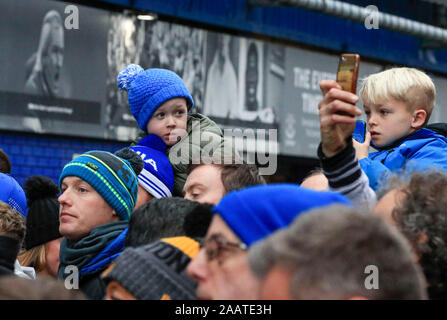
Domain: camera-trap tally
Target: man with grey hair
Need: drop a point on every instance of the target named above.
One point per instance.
(337, 253)
(417, 206)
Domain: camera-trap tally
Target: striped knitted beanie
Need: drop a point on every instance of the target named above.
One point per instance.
(157, 176)
(111, 176)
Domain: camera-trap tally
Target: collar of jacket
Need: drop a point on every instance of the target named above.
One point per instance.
(399, 141)
(9, 248)
(94, 252)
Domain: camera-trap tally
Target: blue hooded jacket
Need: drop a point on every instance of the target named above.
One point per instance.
(421, 150)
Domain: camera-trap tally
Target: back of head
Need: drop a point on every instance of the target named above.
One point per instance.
(12, 224)
(42, 223)
(159, 266)
(12, 193)
(421, 215)
(257, 211)
(45, 288)
(315, 180)
(239, 176)
(158, 219)
(339, 253)
(408, 85)
(5, 163)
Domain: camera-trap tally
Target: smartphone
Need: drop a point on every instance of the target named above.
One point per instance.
(359, 131)
(348, 71)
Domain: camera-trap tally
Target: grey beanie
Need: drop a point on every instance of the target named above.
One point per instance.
(156, 271)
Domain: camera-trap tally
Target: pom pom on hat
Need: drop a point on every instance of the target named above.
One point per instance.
(132, 157)
(198, 220)
(128, 75)
(42, 223)
(39, 187)
(149, 89)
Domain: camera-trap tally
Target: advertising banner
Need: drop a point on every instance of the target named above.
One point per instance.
(58, 76)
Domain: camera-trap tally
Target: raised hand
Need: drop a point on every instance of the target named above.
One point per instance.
(337, 116)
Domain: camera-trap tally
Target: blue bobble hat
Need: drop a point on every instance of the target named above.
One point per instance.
(12, 193)
(149, 89)
(255, 212)
(111, 176)
(157, 176)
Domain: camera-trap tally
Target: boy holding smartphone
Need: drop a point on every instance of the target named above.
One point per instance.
(398, 103)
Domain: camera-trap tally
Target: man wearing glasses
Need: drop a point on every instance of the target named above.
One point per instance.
(240, 219)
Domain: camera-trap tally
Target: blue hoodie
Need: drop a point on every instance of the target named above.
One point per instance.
(421, 150)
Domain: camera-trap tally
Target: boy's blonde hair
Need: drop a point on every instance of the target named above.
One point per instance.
(408, 85)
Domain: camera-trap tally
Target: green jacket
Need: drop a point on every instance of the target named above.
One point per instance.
(204, 138)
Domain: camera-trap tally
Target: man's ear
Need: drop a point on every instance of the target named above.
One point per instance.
(419, 116)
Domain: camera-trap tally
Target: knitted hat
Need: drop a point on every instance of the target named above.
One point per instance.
(149, 89)
(113, 177)
(42, 223)
(255, 212)
(156, 271)
(157, 176)
(12, 193)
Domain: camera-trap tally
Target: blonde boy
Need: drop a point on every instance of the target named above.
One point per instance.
(398, 103)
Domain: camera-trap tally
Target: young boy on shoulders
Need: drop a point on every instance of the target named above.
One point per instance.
(398, 103)
(159, 101)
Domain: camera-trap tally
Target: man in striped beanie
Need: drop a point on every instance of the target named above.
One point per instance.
(98, 193)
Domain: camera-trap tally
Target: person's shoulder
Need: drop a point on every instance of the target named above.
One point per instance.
(439, 128)
(93, 286)
(198, 117)
(430, 137)
(206, 123)
(425, 144)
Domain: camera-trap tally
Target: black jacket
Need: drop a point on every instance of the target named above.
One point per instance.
(9, 249)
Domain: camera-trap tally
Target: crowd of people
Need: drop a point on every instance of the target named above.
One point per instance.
(158, 220)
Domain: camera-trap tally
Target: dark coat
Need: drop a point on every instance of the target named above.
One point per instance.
(9, 248)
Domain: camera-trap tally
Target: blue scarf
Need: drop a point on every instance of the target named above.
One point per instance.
(96, 251)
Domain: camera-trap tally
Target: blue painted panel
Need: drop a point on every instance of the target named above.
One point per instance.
(30, 155)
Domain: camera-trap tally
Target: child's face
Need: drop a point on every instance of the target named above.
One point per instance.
(388, 122)
(169, 121)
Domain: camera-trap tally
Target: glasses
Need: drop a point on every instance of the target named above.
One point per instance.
(215, 245)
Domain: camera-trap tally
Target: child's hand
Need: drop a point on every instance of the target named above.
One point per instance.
(362, 149)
